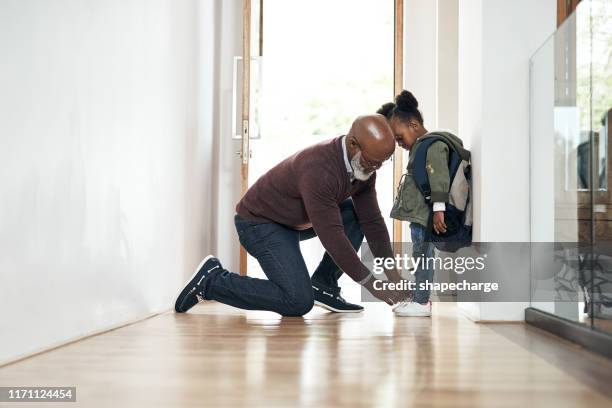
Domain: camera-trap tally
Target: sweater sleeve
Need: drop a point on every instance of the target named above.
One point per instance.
(319, 196)
(437, 171)
(371, 220)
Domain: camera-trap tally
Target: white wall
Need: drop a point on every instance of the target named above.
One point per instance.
(227, 188)
(430, 59)
(542, 143)
(421, 56)
(430, 68)
(105, 163)
(447, 23)
(496, 40)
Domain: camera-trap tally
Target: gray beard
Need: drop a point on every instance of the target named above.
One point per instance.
(358, 171)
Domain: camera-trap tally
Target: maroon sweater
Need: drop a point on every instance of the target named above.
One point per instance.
(305, 189)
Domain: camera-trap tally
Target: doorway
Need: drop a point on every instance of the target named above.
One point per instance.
(314, 67)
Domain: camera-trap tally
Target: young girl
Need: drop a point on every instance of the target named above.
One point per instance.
(407, 124)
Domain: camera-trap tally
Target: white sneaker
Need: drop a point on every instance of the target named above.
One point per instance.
(413, 309)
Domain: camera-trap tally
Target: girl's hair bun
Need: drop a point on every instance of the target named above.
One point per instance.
(406, 101)
(405, 108)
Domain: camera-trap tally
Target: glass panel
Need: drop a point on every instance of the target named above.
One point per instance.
(601, 118)
(309, 89)
(562, 147)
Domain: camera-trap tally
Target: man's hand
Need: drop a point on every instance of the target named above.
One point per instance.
(439, 225)
(390, 297)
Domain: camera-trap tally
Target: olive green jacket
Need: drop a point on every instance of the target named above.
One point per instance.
(409, 204)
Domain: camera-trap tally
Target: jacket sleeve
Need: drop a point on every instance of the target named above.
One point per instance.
(437, 171)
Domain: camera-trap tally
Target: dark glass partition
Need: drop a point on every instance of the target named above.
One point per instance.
(571, 196)
(601, 118)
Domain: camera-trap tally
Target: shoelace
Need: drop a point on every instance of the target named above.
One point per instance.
(338, 296)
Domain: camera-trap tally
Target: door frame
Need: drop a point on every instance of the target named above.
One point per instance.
(245, 150)
(398, 86)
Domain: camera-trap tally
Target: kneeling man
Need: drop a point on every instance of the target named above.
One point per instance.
(326, 190)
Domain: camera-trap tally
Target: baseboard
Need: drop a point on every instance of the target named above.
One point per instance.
(79, 338)
(469, 310)
(583, 335)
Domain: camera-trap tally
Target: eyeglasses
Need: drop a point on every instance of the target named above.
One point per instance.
(370, 164)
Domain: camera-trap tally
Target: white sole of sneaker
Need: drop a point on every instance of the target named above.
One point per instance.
(194, 274)
(412, 314)
(324, 306)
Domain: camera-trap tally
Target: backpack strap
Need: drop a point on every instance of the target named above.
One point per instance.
(463, 153)
(429, 228)
(418, 165)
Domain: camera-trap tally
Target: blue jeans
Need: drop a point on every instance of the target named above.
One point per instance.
(288, 289)
(421, 249)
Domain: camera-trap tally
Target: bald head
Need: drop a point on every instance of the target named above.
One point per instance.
(369, 144)
(374, 136)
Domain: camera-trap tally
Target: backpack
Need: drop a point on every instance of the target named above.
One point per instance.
(458, 213)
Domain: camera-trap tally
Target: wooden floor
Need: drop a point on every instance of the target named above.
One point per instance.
(219, 356)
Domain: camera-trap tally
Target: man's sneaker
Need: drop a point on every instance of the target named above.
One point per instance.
(408, 309)
(192, 292)
(334, 302)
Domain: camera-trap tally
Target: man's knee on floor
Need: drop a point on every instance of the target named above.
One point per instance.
(298, 305)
